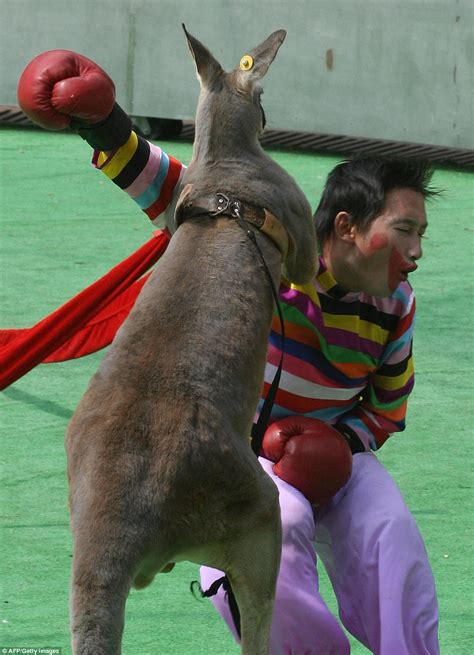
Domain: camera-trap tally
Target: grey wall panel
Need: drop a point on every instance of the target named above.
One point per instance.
(390, 69)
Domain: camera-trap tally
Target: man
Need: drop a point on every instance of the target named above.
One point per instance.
(348, 362)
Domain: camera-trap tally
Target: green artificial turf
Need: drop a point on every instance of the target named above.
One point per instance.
(63, 225)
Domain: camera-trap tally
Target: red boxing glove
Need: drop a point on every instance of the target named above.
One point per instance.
(60, 88)
(310, 455)
(59, 84)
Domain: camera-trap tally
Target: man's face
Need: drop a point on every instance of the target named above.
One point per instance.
(388, 250)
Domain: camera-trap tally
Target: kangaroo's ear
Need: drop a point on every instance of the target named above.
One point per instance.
(255, 63)
(207, 67)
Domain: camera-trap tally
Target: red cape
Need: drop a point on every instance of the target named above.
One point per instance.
(86, 323)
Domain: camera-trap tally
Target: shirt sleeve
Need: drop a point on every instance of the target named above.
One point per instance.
(382, 408)
(147, 173)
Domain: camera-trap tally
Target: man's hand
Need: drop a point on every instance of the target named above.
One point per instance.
(61, 88)
(310, 455)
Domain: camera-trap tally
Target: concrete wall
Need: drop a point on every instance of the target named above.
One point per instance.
(390, 69)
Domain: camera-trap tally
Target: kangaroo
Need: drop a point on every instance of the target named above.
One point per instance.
(160, 465)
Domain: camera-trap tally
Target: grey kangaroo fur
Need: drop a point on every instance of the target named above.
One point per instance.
(159, 462)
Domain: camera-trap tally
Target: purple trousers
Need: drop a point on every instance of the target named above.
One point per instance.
(377, 563)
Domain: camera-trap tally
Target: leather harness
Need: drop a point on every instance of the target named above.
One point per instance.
(219, 204)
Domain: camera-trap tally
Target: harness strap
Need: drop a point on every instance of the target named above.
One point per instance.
(212, 591)
(219, 204)
(240, 212)
(259, 428)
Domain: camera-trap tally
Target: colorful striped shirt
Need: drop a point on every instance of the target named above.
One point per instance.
(347, 356)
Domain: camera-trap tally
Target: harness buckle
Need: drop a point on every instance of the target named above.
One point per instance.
(235, 208)
(225, 204)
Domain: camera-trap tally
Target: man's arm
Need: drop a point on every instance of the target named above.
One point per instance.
(147, 173)
(383, 405)
(61, 88)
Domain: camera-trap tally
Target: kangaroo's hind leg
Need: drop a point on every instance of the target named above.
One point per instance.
(252, 573)
(100, 585)
(109, 541)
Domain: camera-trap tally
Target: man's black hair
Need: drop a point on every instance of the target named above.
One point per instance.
(359, 186)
